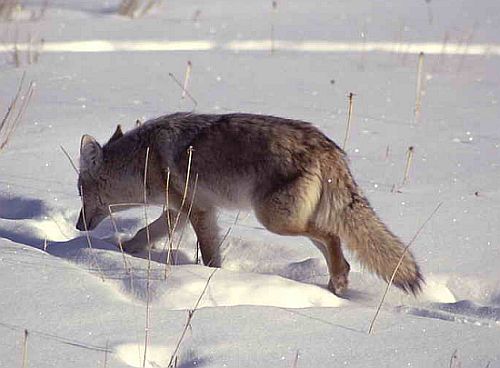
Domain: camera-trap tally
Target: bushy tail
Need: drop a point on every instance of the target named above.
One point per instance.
(376, 247)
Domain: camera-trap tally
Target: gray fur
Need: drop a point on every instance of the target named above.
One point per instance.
(294, 178)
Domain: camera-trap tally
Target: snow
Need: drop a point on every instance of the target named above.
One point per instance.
(268, 305)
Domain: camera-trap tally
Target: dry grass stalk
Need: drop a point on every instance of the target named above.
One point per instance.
(409, 160)
(136, 8)
(441, 55)
(454, 360)
(196, 15)
(25, 349)
(8, 8)
(149, 5)
(372, 324)
(466, 41)
(420, 82)
(40, 14)
(187, 325)
(296, 359)
(15, 112)
(169, 243)
(195, 103)
(120, 244)
(34, 50)
(188, 214)
(30, 50)
(349, 116)
(361, 65)
(187, 76)
(106, 354)
(70, 160)
(197, 252)
(28, 53)
(228, 232)
(16, 56)
(126, 266)
(148, 282)
(275, 8)
(87, 236)
(128, 8)
(430, 16)
(166, 210)
(399, 38)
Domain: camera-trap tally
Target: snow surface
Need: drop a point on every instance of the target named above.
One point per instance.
(268, 305)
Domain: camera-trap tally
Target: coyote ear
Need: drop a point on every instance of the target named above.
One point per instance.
(90, 154)
(117, 134)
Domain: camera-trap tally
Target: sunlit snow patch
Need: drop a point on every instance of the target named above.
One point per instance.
(133, 355)
(313, 46)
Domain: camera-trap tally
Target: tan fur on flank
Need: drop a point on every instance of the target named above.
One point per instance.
(295, 179)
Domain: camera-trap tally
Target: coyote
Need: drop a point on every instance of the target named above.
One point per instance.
(295, 179)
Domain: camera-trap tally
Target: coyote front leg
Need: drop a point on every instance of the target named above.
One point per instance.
(157, 229)
(204, 223)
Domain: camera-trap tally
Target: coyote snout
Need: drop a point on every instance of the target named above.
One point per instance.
(80, 224)
(294, 178)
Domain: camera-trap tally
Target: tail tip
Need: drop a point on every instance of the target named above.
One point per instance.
(413, 285)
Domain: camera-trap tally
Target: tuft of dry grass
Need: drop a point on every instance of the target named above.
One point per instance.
(11, 9)
(15, 111)
(8, 9)
(136, 8)
(25, 53)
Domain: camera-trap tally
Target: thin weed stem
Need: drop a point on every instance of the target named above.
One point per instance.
(148, 283)
(87, 236)
(25, 349)
(372, 324)
(181, 208)
(349, 116)
(188, 321)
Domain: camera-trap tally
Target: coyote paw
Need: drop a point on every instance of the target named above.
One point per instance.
(133, 247)
(338, 284)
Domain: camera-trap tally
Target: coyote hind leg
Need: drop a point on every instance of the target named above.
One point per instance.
(338, 267)
(291, 210)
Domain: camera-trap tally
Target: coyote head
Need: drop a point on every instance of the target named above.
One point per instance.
(97, 182)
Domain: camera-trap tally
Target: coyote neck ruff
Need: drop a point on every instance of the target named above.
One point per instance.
(295, 179)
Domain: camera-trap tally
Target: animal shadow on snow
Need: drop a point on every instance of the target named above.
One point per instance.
(18, 208)
(27, 221)
(22, 220)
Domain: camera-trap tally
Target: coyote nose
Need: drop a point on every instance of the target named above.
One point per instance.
(80, 225)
